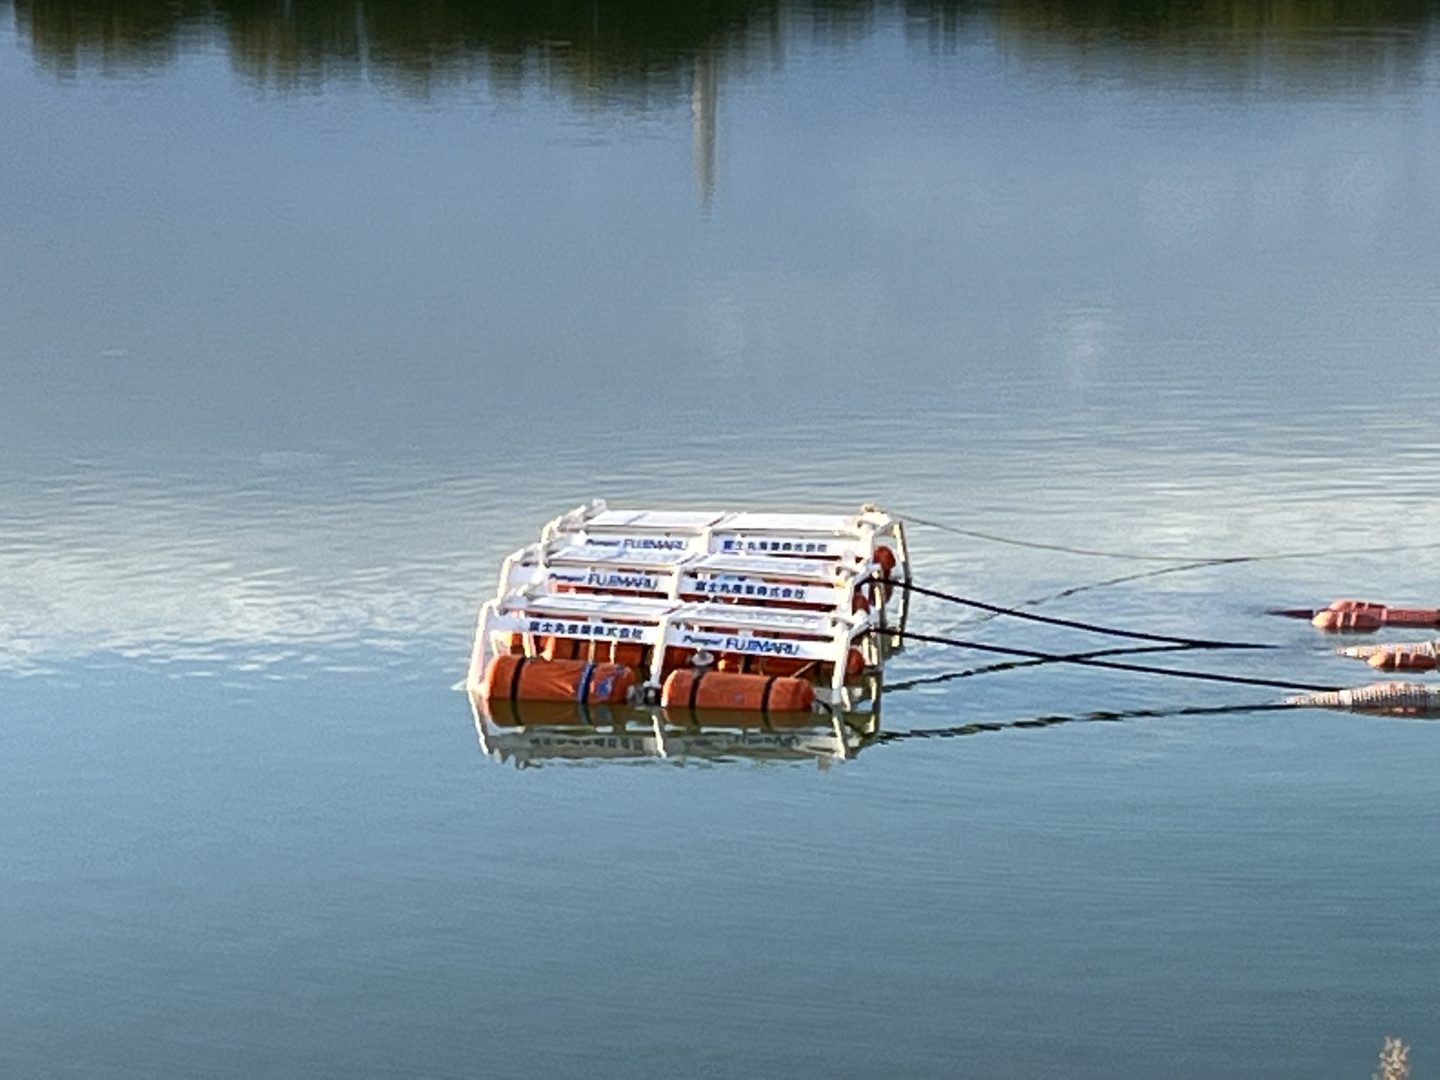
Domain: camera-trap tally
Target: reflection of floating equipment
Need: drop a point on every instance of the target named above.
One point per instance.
(699, 688)
(1392, 697)
(1366, 615)
(528, 733)
(782, 601)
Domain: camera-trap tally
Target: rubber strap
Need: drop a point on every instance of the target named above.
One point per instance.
(515, 677)
(695, 685)
(582, 694)
(765, 697)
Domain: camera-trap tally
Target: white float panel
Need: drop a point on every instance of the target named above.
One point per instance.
(761, 522)
(653, 520)
(768, 566)
(819, 624)
(727, 541)
(750, 589)
(584, 604)
(610, 555)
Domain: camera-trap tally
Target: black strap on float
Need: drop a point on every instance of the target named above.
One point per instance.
(582, 694)
(765, 697)
(695, 686)
(515, 677)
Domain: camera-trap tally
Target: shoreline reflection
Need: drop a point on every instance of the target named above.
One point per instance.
(648, 53)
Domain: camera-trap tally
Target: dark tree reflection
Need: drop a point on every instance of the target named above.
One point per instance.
(605, 53)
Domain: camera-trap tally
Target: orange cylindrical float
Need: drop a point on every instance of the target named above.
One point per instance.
(1356, 605)
(1357, 620)
(1393, 697)
(629, 653)
(1418, 658)
(676, 657)
(786, 665)
(885, 562)
(1411, 616)
(523, 678)
(1366, 615)
(564, 648)
(703, 688)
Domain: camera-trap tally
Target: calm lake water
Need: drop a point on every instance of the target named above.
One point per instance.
(313, 311)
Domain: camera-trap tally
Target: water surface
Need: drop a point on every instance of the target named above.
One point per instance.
(313, 312)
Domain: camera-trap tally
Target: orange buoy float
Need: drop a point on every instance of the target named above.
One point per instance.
(629, 653)
(524, 678)
(1406, 658)
(786, 665)
(1356, 605)
(704, 688)
(885, 561)
(1366, 615)
(1362, 652)
(1336, 621)
(1396, 698)
(564, 648)
(1400, 616)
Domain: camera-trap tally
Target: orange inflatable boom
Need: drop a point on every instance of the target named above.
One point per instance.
(1395, 698)
(1364, 616)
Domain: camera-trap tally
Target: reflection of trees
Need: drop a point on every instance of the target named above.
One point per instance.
(1309, 46)
(606, 51)
(597, 48)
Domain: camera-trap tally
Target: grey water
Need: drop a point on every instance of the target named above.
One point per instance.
(313, 311)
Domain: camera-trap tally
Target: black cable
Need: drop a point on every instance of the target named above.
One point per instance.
(1074, 590)
(1094, 628)
(995, 538)
(1014, 665)
(1144, 669)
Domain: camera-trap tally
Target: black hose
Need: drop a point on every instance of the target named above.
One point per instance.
(1145, 669)
(1012, 541)
(1094, 628)
(1013, 665)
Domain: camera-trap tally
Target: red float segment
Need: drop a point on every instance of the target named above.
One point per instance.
(521, 678)
(1357, 605)
(1412, 616)
(1364, 621)
(1406, 699)
(1413, 659)
(886, 558)
(1366, 615)
(699, 688)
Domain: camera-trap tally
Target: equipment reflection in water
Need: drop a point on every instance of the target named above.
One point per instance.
(529, 733)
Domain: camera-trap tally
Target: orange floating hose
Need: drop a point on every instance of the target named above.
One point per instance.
(1402, 661)
(699, 688)
(1400, 698)
(1366, 615)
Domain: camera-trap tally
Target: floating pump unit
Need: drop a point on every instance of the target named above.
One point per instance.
(750, 611)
